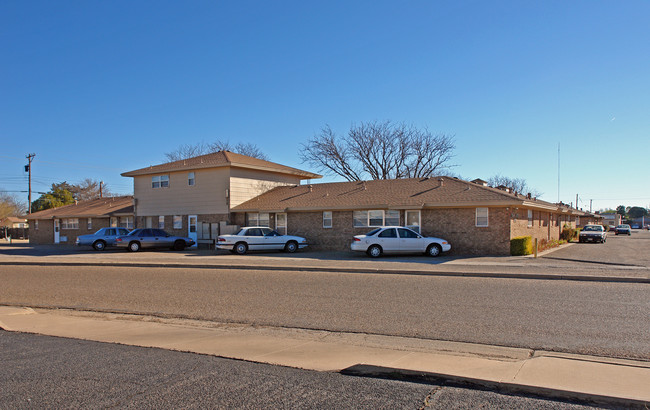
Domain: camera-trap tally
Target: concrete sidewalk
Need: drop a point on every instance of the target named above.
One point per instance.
(567, 376)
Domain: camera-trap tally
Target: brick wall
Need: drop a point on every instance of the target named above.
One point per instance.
(44, 235)
(140, 222)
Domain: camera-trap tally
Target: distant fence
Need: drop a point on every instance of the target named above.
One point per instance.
(14, 233)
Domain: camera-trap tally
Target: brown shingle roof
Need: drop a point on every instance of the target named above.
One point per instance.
(412, 193)
(94, 208)
(221, 159)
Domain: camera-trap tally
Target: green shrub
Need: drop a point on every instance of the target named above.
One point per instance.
(521, 245)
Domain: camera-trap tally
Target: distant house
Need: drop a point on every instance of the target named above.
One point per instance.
(64, 224)
(14, 222)
(611, 220)
(194, 197)
(473, 217)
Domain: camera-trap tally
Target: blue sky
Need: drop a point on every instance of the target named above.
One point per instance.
(96, 88)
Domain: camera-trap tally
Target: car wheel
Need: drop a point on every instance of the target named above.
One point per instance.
(179, 245)
(134, 246)
(434, 250)
(291, 247)
(99, 245)
(374, 251)
(240, 248)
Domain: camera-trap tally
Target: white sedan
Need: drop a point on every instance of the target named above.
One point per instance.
(397, 239)
(256, 238)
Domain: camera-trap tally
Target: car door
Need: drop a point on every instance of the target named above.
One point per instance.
(272, 240)
(255, 239)
(146, 238)
(388, 240)
(410, 241)
(161, 239)
(109, 236)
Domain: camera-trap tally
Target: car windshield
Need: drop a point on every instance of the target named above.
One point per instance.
(623, 226)
(592, 228)
(240, 231)
(374, 231)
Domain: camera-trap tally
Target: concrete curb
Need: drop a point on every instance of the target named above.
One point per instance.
(364, 370)
(538, 276)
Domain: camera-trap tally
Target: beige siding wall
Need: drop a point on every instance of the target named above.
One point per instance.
(246, 184)
(206, 196)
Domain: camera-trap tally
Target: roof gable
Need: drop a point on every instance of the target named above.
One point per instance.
(221, 159)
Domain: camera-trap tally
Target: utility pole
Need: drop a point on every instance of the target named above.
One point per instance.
(590, 203)
(576, 201)
(101, 183)
(28, 168)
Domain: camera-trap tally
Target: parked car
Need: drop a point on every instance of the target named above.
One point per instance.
(636, 227)
(102, 238)
(593, 233)
(259, 238)
(152, 238)
(623, 229)
(397, 239)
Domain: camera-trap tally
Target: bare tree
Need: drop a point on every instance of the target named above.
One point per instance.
(10, 205)
(188, 150)
(518, 185)
(89, 189)
(379, 150)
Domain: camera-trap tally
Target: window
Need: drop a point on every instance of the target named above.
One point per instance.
(161, 222)
(388, 233)
(190, 179)
(36, 224)
(413, 220)
(126, 222)
(178, 222)
(481, 217)
(407, 233)
(327, 219)
(148, 222)
(577, 221)
(375, 218)
(255, 219)
(160, 181)
(89, 224)
(530, 218)
(70, 223)
(113, 222)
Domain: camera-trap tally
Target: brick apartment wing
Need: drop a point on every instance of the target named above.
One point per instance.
(64, 224)
(475, 218)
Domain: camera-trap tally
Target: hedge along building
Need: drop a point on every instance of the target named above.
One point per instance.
(473, 217)
(193, 197)
(65, 223)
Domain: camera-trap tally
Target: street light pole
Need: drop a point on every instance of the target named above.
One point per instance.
(28, 168)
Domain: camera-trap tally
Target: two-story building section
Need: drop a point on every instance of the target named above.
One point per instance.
(193, 197)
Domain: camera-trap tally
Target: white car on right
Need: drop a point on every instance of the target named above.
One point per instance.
(398, 239)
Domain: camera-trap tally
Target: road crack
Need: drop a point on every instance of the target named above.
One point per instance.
(430, 396)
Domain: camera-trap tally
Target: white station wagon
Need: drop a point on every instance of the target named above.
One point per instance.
(256, 238)
(397, 239)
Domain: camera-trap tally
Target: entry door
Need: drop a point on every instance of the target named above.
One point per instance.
(281, 223)
(57, 229)
(192, 229)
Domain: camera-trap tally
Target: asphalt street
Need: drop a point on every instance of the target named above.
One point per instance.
(608, 319)
(50, 372)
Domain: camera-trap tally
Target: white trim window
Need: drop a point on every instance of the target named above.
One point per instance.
(36, 224)
(327, 219)
(190, 179)
(375, 218)
(161, 222)
(70, 223)
(530, 218)
(113, 222)
(160, 181)
(258, 219)
(481, 217)
(89, 225)
(577, 221)
(178, 222)
(281, 223)
(126, 222)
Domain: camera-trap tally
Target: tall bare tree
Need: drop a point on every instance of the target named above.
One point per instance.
(10, 205)
(194, 150)
(90, 189)
(518, 185)
(379, 150)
